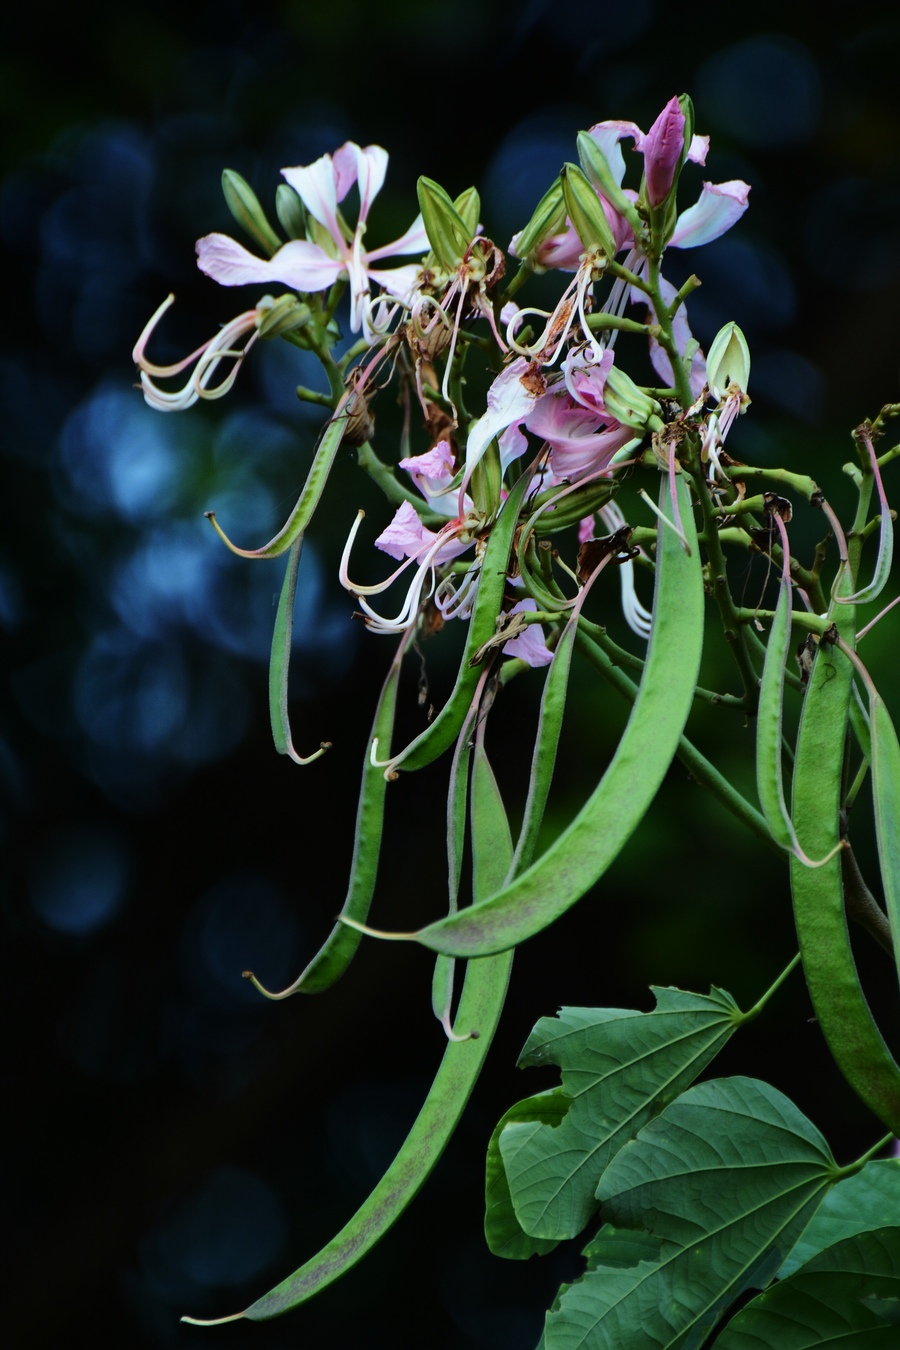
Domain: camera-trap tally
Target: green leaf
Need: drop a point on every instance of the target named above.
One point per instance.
(619, 1067)
(724, 1180)
(848, 1296)
(505, 1235)
(589, 844)
(868, 1199)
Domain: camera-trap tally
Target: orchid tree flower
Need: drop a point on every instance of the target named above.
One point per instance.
(307, 266)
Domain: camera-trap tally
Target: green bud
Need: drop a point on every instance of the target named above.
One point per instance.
(287, 314)
(586, 212)
(595, 165)
(291, 212)
(728, 361)
(548, 219)
(448, 233)
(687, 107)
(468, 204)
(243, 204)
(628, 403)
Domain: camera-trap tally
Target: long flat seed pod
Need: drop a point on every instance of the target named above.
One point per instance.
(280, 663)
(480, 1006)
(607, 820)
(843, 1013)
(769, 780)
(339, 948)
(307, 502)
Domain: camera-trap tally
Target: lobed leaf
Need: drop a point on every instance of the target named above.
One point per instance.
(504, 1234)
(868, 1199)
(847, 1296)
(619, 1068)
(724, 1180)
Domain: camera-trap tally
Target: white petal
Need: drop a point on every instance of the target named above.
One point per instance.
(415, 240)
(298, 264)
(720, 205)
(315, 184)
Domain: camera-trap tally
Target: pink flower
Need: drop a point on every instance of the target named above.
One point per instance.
(529, 645)
(306, 266)
(579, 447)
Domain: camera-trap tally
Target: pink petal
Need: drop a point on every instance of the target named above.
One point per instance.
(298, 264)
(399, 281)
(719, 207)
(698, 149)
(415, 240)
(607, 135)
(585, 380)
(406, 535)
(366, 167)
(315, 184)
(510, 399)
(530, 645)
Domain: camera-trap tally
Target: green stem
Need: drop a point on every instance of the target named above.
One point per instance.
(697, 764)
(773, 988)
(852, 1168)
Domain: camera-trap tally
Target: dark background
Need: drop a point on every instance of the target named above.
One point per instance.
(173, 1143)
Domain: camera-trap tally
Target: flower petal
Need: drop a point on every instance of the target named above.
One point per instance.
(298, 264)
(415, 240)
(529, 645)
(719, 207)
(316, 185)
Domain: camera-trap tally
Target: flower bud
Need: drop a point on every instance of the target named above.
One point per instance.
(243, 204)
(290, 211)
(448, 233)
(663, 147)
(626, 402)
(287, 314)
(586, 212)
(595, 165)
(468, 204)
(548, 219)
(728, 361)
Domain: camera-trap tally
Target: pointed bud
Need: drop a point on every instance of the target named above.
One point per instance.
(663, 149)
(728, 361)
(626, 402)
(548, 219)
(595, 165)
(287, 314)
(290, 211)
(243, 204)
(448, 234)
(468, 204)
(586, 211)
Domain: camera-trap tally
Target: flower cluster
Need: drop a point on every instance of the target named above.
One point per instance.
(560, 407)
